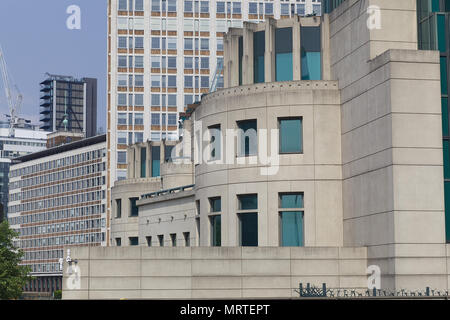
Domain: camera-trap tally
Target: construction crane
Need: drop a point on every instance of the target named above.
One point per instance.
(14, 102)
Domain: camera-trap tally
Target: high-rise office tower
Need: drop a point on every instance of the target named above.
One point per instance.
(27, 139)
(69, 105)
(57, 198)
(163, 55)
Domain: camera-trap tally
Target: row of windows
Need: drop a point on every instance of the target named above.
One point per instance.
(57, 215)
(66, 161)
(156, 119)
(60, 201)
(290, 137)
(65, 240)
(23, 143)
(58, 228)
(59, 188)
(59, 175)
(46, 254)
(291, 216)
(134, 241)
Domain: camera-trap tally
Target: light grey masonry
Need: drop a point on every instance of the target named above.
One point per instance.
(187, 273)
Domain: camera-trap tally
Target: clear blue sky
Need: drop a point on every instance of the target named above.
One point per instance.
(35, 40)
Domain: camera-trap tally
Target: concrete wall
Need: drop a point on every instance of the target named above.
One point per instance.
(205, 273)
(391, 142)
(126, 226)
(168, 214)
(316, 171)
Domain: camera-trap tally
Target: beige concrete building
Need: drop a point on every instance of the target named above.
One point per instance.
(324, 152)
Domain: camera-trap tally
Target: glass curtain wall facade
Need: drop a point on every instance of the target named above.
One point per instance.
(434, 34)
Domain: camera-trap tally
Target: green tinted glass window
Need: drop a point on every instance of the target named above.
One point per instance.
(248, 202)
(216, 232)
(143, 162)
(156, 161)
(445, 118)
(248, 229)
(259, 47)
(290, 135)
(283, 54)
(444, 75)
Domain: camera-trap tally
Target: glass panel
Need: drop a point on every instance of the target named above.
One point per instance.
(156, 161)
(291, 201)
(216, 204)
(445, 118)
(248, 138)
(444, 75)
(290, 136)
(248, 202)
(292, 229)
(441, 39)
(447, 210)
(311, 53)
(133, 207)
(446, 151)
(143, 161)
(216, 231)
(259, 45)
(283, 54)
(249, 229)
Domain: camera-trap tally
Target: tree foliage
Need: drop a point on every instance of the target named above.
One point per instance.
(13, 277)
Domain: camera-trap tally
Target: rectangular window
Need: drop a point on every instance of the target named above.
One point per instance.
(138, 119)
(253, 8)
(259, 47)
(236, 8)
(291, 219)
(156, 44)
(204, 44)
(291, 135)
(156, 62)
(188, 6)
(134, 241)
(187, 239)
(156, 7)
(247, 138)
(215, 135)
(220, 7)
(161, 240)
(118, 242)
(156, 161)
(143, 162)
(122, 61)
(139, 61)
(216, 204)
(311, 53)
(188, 43)
(188, 83)
(173, 239)
(133, 207)
(139, 42)
(156, 100)
(122, 157)
(204, 6)
(283, 54)
(248, 229)
(216, 232)
(149, 241)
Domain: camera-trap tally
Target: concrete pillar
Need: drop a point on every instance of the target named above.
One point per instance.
(148, 169)
(130, 167)
(296, 50)
(269, 55)
(326, 57)
(247, 59)
(137, 160)
(231, 60)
